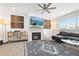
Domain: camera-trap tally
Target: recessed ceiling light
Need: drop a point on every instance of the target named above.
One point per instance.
(13, 8)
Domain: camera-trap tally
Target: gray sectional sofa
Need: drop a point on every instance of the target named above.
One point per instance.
(66, 36)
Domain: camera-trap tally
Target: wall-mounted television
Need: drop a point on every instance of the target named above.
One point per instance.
(37, 21)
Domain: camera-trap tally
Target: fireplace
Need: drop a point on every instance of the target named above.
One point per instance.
(36, 36)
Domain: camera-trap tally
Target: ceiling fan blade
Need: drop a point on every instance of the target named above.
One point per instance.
(39, 5)
(48, 5)
(52, 8)
(48, 11)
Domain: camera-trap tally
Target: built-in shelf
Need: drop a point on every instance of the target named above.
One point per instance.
(17, 21)
(47, 24)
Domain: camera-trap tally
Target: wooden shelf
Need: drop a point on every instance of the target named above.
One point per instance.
(47, 24)
(17, 21)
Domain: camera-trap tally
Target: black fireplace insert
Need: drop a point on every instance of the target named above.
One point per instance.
(36, 36)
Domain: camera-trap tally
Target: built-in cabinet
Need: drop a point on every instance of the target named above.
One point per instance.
(17, 36)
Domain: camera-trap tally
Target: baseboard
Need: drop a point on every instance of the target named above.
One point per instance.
(5, 42)
(16, 41)
(13, 41)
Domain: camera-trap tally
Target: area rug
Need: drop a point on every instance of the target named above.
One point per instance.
(47, 48)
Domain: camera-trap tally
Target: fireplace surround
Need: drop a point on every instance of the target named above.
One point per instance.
(38, 31)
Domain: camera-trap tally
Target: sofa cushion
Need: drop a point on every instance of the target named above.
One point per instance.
(74, 35)
(64, 33)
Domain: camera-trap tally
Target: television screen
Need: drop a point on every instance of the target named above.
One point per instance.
(36, 21)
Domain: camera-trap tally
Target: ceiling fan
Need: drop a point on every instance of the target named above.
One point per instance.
(45, 7)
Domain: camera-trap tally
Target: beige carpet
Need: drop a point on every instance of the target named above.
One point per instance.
(13, 49)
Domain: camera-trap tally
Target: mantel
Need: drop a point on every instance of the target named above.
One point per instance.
(36, 27)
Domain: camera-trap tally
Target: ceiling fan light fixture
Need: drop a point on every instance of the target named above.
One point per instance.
(46, 8)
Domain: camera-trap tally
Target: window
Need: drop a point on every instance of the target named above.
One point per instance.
(77, 22)
(73, 23)
(68, 26)
(62, 24)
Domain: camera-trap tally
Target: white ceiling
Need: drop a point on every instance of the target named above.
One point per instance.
(30, 8)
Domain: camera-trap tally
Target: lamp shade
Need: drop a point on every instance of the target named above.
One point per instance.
(3, 21)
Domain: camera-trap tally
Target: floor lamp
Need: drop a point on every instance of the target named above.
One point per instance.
(4, 22)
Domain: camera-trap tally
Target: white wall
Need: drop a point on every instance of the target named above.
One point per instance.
(5, 13)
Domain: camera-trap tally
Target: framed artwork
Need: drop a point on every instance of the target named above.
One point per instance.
(17, 21)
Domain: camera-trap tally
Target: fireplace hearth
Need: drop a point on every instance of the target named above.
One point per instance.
(36, 36)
